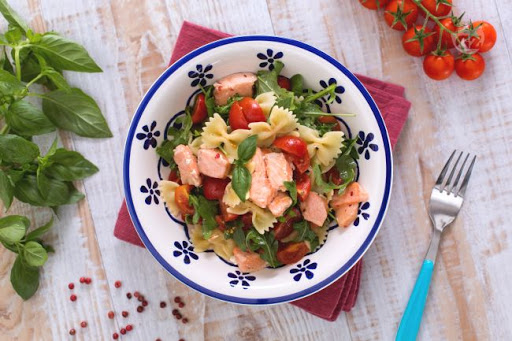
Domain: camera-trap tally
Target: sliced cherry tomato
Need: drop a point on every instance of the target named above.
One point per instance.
(333, 175)
(221, 224)
(237, 118)
(173, 176)
(327, 119)
(414, 47)
(439, 67)
(373, 4)
(399, 12)
(245, 111)
(283, 229)
(450, 23)
(247, 221)
(438, 8)
(292, 145)
(485, 36)
(199, 112)
(470, 67)
(225, 214)
(301, 163)
(303, 184)
(290, 253)
(181, 196)
(214, 188)
(284, 82)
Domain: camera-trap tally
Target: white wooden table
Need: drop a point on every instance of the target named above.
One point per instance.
(132, 41)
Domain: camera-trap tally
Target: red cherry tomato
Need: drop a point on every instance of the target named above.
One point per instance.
(414, 47)
(225, 214)
(247, 221)
(403, 10)
(181, 196)
(173, 176)
(303, 185)
(439, 67)
(292, 252)
(437, 7)
(245, 111)
(301, 163)
(214, 188)
(284, 82)
(292, 145)
(283, 229)
(486, 36)
(327, 119)
(373, 4)
(446, 40)
(333, 175)
(199, 112)
(237, 118)
(470, 68)
(221, 224)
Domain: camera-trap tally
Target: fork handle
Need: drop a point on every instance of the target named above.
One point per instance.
(410, 323)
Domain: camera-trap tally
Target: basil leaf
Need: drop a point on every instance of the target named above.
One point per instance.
(75, 111)
(74, 195)
(5, 63)
(10, 247)
(43, 182)
(6, 190)
(27, 120)
(67, 165)
(13, 228)
(247, 148)
(57, 78)
(65, 54)
(291, 187)
(16, 149)
(12, 17)
(297, 83)
(241, 181)
(11, 89)
(37, 233)
(24, 278)
(26, 191)
(34, 254)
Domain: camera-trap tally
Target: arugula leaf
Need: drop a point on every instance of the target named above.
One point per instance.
(267, 80)
(247, 149)
(297, 83)
(75, 111)
(16, 149)
(223, 110)
(12, 17)
(323, 186)
(67, 165)
(13, 228)
(24, 278)
(65, 54)
(207, 210)
(27, 120)
(305, 233)
(291, 187)
(37, 233)
(175, 137)
(235, 231)
(241, 181)
(266, 242)
(34, 254)
(6, 189)
(209, 100)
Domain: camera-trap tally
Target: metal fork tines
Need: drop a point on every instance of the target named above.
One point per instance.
(447, 186)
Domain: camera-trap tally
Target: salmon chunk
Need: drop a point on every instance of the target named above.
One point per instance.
(187, 165)
(279, 204)
(353, 194)
(278, 170)
(261, 192)
(237, 83)
(346, 214)
(248, 261)
(314, 209)
(213, 163)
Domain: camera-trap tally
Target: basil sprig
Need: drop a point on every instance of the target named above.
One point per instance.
(242, 178)
(28, 58)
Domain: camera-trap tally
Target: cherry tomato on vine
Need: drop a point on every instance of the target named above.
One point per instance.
(245, 111)
(374, 4)
(284, 82)
(470, 67)
(418, 41)
(401, 14)
(438, 8)
(447, 39)
(439, 67)
(199, 112)
(485, 36)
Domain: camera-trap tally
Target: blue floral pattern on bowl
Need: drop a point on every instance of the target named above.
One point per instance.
(361, 212)
(305, 268)
(269, 58)
(200, 75)
(152, 191)
(365, 142)
(240, 278)
(185, 249)
(148, 135)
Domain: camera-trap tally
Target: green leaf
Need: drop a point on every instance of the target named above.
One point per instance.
(67, 165)
(297, 83)
(14, 35)
(209, 100)
(175, 137)
(27, 120)
(11, 89)
(34, 254)
(241, 181)
(74, 195)
(75, 111)
(13, 228)
(5, 63)
(323, 186)
(57, 78)
(291, 187)
(26, 191)
(6, 190)
(247, 148)
(207, 210)
(64, 54)
(267, 80)
(16, 149)
(10, 247)
(166, 151)
(43, 182)
(305, 233)
(12, 17)
(38, 233)
(239, 238)
(24, 278)
(265, 242)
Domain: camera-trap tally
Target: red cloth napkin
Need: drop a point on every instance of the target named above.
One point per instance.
(342, 294)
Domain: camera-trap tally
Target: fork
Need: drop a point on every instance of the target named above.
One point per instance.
(445, 202)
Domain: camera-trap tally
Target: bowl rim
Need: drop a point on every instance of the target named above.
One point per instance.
(284, 298)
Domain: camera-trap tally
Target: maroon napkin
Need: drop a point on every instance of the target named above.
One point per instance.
(342, 294)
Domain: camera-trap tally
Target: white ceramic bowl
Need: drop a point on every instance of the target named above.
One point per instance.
(166, 237)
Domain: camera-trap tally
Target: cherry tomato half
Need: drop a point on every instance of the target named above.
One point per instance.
(399, 11)
(303, 185)
(225, 214)
(439, 67)
(438, 8)
(414, 47)
(214, 188)
(333, 175)
(292, 145)
(283, 229)
(292, 252)
(284, 82)
(245, 111)
(199, 112)
(173, 176)
(470, 68)
(373, 4)
(181, 196)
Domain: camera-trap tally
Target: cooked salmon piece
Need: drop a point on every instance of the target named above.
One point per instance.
(314, 209)
(187, 165)
(346, 214)
(279, 204)
(237, 83)
(248, 261)
(353, 194)
(278, 170)
(261, 192)
(213, 163)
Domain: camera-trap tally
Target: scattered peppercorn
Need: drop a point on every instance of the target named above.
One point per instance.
(129, 327)
(181, 340)
(136, 294)
(115, 336)
(71, 286)
(82, 280)
(140, 309)
(88, 280)
(144, 303)
(124, 313)
(72, 331)
(83, 324)
(140, 298)
(185, 320)
(129, 295)
(181, 305)
(163, 304)
(110, 314)
(159, 339)
(177, 299)
(122, 331)
(72, 298)
(117, 284)
(178, 316)
(175, 311)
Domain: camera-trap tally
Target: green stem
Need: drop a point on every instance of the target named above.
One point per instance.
(5, 129)
(436, 19)
(34, 80)
(17, 62)
(319, 94)
(328, 114)
(35, 94)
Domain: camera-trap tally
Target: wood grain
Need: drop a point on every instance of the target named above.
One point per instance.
(132, 41)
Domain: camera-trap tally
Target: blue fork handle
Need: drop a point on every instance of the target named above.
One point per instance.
(410, 323)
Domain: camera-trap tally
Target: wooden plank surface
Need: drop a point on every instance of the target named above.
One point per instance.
(132, 41)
